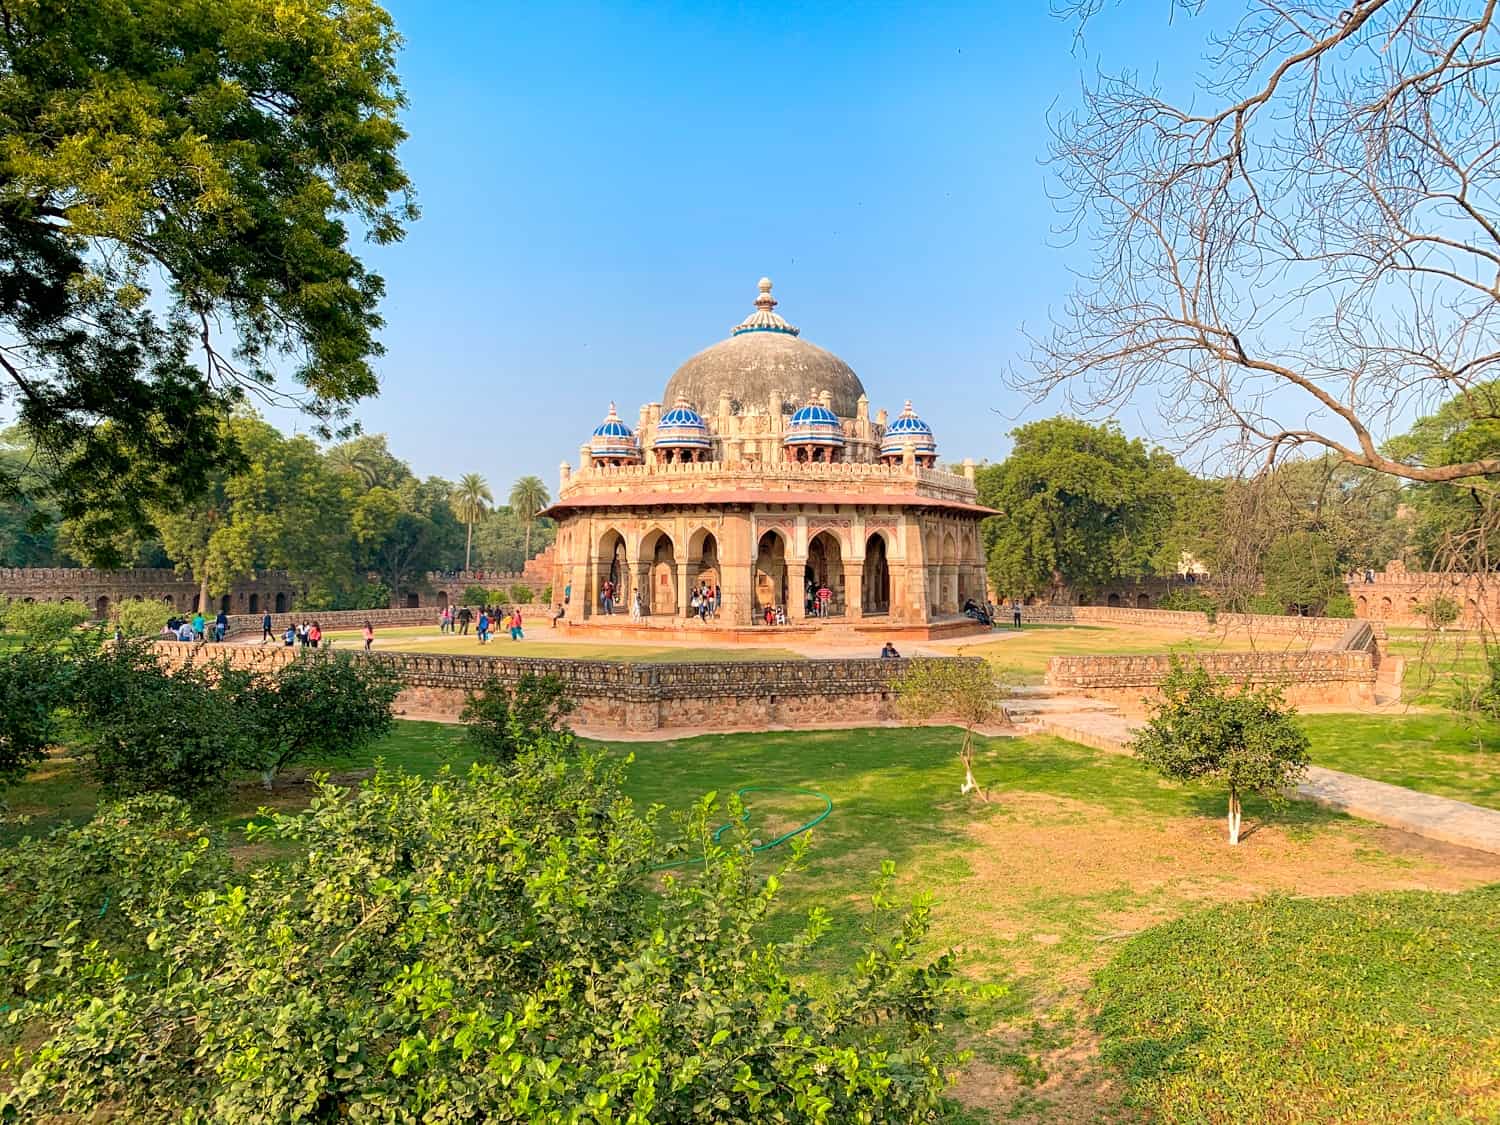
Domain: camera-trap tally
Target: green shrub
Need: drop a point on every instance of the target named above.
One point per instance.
(44, 623)
(104, 881)
(501, 720)
(141, 619)
(1439, 611)
(317, 707)
(33, 686)
(1247, 739)
(545, 596)
(1265, 604)
(1187, 599)
(521, 594)
(489, 949)
(145, 729)
(1340, 605)
(475, 595)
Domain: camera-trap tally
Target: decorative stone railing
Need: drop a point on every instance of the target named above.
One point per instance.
(771, 476)
(615, 696)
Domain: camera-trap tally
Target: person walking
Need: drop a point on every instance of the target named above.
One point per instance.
(265, 628)
(515, 624)
(483, 628)
(315, 635)
(825, 601)
(609, 598)
(1015, 613)
(465, 615)
(369, 635)
(221, 626)
(198, 625)
(636, 610)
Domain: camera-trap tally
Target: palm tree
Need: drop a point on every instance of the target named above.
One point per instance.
(471, 499)
(528, 496)
(356, 459)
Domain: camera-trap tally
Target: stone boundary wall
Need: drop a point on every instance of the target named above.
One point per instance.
(1313, 628)
(1318, 677)
(103, 589)
(248, 624)
(616, 696)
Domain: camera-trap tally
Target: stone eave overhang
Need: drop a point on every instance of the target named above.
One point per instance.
(756, 496)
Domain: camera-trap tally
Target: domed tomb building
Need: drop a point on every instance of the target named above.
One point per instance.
(762, 473)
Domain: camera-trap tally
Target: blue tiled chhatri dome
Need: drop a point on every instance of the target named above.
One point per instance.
(814, 424)
(908, 432)
(613, 440)
(682, 427)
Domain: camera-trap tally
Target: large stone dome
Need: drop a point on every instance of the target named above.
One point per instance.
(762, 355)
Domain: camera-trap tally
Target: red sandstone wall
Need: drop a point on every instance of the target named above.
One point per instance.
(1318, 677)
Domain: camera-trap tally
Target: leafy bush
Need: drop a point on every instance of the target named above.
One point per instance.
(521, 594)
(1481, 697)
(501, 720)
(44, 623)
(33, 686)
(1244, 737)
(1189, 600)
(1340, 605)
(141, 619)
(1439, 611)
(1369, 1008)
(145, 729)
(1265, 604)
(487, 949)
(545, 596)
(475, 595)
(314, 708)
(325, 595)
(104, 881)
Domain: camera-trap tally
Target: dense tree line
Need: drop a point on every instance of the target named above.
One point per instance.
(333, 517)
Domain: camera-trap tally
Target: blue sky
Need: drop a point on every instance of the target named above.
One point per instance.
(603, 185)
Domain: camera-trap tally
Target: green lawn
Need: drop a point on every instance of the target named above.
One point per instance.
(1378, 1008)
(1439, 753)
(1038, 887)
(1436, 663)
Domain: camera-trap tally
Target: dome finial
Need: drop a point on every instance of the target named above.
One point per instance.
(765, 300)
(764, 318)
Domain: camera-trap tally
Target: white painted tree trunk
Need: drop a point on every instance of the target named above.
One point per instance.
(1234, 818)
(468, 545)
(966, 756)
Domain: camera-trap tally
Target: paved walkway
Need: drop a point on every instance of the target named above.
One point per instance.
(1422, 814)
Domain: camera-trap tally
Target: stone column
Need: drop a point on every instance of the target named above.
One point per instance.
(854, 597)
(796, 589)
(682, 589)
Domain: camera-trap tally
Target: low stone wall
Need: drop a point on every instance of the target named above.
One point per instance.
(614, 696)
(1335, 677)
(1330, 629)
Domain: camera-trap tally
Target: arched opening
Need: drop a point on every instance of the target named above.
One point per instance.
(101, 607)
(613, 570)
(875, 583)
(1385, 608)
(1143, 601)
(1114, 601)
(224, 604)
(413, 600)
(1361, 606)
(825, 571)
(659, 555)
(280, 603)
(167, 600)
(442, 599)
(949, 599)
(1413, 607)
(703, 561)
(254, 603)
(770, 574)
(195, 602)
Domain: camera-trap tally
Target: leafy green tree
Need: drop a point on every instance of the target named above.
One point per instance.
(404, 532)
(487, 949)
(141, 619)
(1190, 600)
(964, 691)
(1340, 605)
(146, 729)
(475, 595)
(1245, 738)
(43, 624)
(34, 684)
(521, 594)
(471, 499)
(314, 709)
(1439, 611)
(180, 186)
(1080, 504)
(1302, 572)
(501, 721)
(528, 496)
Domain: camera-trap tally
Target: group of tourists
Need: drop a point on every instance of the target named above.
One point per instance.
(309, 634)
(196, 628)
(489, 620)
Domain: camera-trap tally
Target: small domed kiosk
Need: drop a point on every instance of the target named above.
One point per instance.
(767, 481)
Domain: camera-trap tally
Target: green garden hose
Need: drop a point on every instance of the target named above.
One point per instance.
(745, 819)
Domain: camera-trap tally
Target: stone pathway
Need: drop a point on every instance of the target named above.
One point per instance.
(1101, 727)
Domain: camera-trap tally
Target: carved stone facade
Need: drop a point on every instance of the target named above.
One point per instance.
(266, 590)
(768, 492)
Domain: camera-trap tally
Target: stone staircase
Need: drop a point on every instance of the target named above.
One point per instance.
(1035, 708)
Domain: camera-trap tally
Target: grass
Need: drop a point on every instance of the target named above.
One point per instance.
(1074, 853)
(1440, 753)
(1020, 656)
(1378, 1008)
